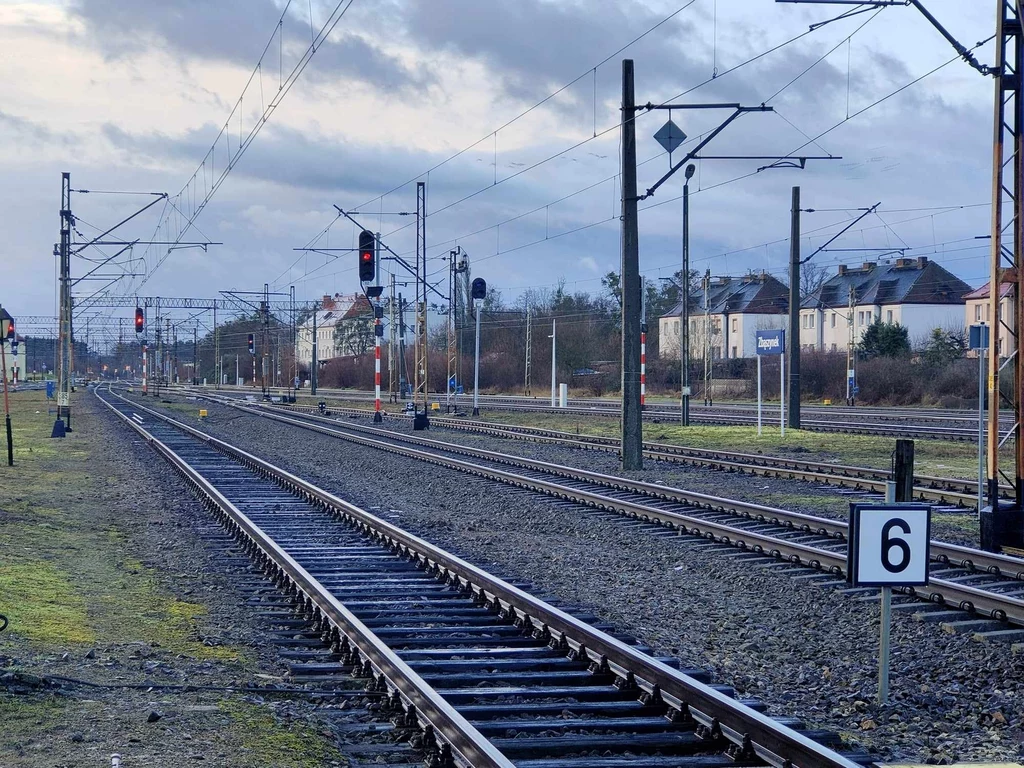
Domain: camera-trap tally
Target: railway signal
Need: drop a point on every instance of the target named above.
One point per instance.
(252, 343)
(140, 320)
(367, 256)
(6, 331)
(479, 293)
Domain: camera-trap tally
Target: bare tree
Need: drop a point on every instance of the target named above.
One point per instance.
(812, 277)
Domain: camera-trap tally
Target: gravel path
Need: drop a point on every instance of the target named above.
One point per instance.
(806, 651)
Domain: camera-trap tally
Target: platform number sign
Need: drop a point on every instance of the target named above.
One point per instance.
(888, 545)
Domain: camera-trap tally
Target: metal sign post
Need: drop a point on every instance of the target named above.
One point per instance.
(771, 342)
(979, 342)
(888, 547)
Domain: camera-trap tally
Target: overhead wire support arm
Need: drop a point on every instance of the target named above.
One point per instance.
(99, 238)
(866, 5)
(864, 212)
(737, 111)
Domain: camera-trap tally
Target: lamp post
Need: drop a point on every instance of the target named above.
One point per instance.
(684, 309)
(6, 327)
(554, 400)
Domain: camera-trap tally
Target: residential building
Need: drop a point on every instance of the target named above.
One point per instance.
(344, 327)
(918, 294)
(737, 307)
(978, 311)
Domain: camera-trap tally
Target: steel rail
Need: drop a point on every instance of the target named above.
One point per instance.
(943, 552)
(971, 599)
(966, 434)
(941, 489)
(889, 412)
(750, 731)
(962, 492)
(463, 737)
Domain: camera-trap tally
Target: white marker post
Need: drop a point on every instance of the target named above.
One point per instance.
(782, 391)
(758, 395)
(888, 547)
(771, 342)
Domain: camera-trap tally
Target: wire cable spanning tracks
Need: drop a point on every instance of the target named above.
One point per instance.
(961, 578)
(461, 653)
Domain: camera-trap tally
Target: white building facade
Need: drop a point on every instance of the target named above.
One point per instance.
(351, 313)
(978, 311)
(737, 307)
(917, 294)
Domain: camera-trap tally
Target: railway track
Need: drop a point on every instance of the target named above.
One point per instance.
(952, 493)
(853, 424)
(490, 676)
(962, 579)
(956, 492)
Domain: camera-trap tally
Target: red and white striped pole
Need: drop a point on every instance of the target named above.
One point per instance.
(377, 418)
(643, 364)
(145, 369)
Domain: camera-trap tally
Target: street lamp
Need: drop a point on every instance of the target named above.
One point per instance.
(684, 309)
(6, 328)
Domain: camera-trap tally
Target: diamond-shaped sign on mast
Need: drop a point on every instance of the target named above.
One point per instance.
(670, 136)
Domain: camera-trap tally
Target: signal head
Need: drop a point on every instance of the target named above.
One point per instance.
(367, 256)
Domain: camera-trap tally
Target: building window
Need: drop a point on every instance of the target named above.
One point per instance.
(860, 318)
(811, 320)
(888, 315)
(676, 324)
(977, 313)
(734, 352)
(833, 320)
(735, 327)
(834, 348)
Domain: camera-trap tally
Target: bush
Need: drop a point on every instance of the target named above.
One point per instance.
(954, 385)
(887, 381)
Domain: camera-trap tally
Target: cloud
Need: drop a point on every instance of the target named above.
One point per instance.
(403, 84)
(236, 32)
(22, 129)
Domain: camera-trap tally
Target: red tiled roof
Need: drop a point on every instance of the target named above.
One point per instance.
(983, 293)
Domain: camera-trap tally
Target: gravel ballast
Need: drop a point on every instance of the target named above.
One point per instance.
(806, 651)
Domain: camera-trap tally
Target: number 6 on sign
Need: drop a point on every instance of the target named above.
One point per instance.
(888, 545)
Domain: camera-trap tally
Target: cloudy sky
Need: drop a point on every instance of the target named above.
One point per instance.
(131, 95)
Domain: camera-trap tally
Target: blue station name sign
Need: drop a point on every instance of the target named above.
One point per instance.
(771, 342)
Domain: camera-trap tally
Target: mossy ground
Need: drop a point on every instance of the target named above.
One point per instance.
(295, 745)
(66, 577)
(72, 579)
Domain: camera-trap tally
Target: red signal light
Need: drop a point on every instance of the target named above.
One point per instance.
(367, 256)
(140, 319)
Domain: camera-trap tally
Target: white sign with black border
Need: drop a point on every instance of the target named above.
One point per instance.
(889, 545)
